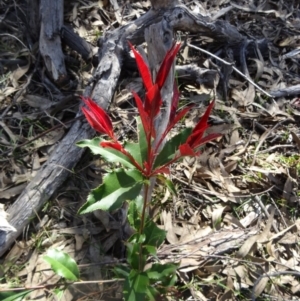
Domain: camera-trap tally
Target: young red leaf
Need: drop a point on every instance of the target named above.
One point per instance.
(166, 65)
(153, 102)
(98, 118)
(143, 68)
(115, 145)
(186, 150)
(92, 120)
(206, 139)
(144, 117)
(202, 124)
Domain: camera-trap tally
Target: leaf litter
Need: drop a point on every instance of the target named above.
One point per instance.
(235, 220)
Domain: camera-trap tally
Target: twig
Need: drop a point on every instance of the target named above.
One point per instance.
(262, 206)
(234, 68)
(276, 274)
(44, 133)
(44, 286)
(274, 147)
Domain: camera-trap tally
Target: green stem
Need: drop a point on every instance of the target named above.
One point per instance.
(146, 190)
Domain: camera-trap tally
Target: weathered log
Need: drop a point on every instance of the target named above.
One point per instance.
(50, 42)
(54, 172)
(32, 16)
(75, 42)
(288, 91)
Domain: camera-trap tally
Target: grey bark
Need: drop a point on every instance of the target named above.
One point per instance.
(50, 41)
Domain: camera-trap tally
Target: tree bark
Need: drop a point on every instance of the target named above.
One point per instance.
(50, 42)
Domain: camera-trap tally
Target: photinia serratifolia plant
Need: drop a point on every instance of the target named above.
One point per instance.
(138, 162)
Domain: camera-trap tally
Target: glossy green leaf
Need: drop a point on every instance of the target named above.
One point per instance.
(135, 286)
(134, 216)
(109, 154)
(59, 293)
(170, 148)
(163, 273)
(14, 296)
(151, 250)
(134, 151)
(134, 256)
(62, 264)
(154, 235)
(122, 271)
(117, 187)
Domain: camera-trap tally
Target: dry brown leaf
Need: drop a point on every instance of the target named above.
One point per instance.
(168, 226)
(13, 191)
(260, 286)
(18, 73)
(217, 217)
(103, 217)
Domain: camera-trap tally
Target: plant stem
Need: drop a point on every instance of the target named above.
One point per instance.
(146, 191)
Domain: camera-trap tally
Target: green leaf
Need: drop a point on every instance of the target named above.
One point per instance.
(109, 154)
(62, 264)
(135, 287)
(134, 151)
(151, 250)
(154, 235)
(122, 271)
(134, 216)
(139, 201)
(59, 293)
(117, 187)
(171, 146)
(142, 140)
(168, 183)
(163, 273)
(14, 296)
(152, 293)
(134, 255)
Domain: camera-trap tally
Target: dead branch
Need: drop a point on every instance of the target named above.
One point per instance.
(50, 42)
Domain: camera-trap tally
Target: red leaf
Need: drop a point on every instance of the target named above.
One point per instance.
(195, 138)
(153, 102)
(143, 69)
(166, 65)
(186, 150)
(93, 121)
(98, 118)
(144, 117)
(115, 145)
(160, 170)
(207, 139)
(202, 124)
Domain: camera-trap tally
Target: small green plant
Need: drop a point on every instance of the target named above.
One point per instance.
(141, 161)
